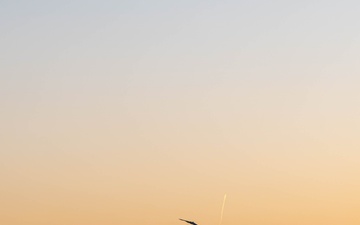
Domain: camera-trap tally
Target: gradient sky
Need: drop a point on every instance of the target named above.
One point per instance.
(141, 112)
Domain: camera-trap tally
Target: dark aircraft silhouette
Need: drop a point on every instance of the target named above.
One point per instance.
(191, 222)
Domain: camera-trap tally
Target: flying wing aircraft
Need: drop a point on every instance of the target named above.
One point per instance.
(191, 222)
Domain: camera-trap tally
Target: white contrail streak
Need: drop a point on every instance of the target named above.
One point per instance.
(222, 210)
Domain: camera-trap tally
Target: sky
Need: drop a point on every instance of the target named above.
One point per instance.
(143, 112)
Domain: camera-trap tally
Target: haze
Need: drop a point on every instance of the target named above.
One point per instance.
(143, 112)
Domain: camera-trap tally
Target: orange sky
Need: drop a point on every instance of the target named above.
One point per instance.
(142, 113)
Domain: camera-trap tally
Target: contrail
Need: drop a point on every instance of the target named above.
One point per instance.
(222, 210)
